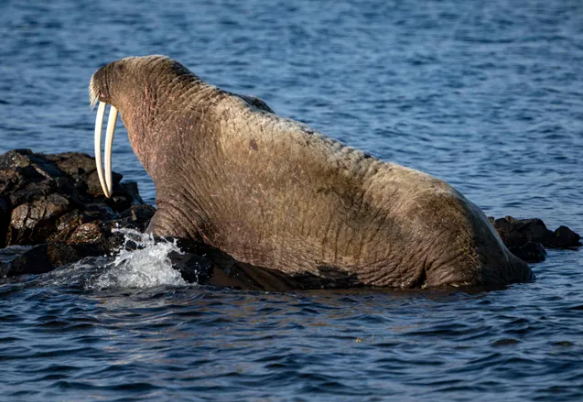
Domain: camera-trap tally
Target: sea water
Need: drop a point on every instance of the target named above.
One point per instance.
(486, 95)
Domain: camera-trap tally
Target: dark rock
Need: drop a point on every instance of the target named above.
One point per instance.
(66, 224)
(529, 252)
(98, 237)
(119, 202)
(95, 238)
(33, 222)
(100, 210)
(516, 233)
(14, 179)
(131, 188)
(48, 197)
(28, 192)
(57, 199)
(24, 158)
(15, 158)
(45, 167)
(86, 233)
(124, 196)
(535, 230)
(41, 259)
(137, 217)
(563, 237)
(4, 220)
(75, 165)
(94, 185)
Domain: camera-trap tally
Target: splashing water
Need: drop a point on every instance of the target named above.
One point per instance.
(144, 266)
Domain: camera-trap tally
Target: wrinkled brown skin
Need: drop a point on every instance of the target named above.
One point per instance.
(271, 192)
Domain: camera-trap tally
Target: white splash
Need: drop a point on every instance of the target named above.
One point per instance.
(145, 266)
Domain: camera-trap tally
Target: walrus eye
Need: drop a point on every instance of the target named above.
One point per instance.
(106, 184)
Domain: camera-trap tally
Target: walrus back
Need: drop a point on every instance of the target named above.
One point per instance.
(318, 205)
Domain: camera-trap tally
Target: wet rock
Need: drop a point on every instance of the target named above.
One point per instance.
(563, 237)
(4, 219)
(518, 232)
(66, 224)
(96, 238)
(9, 179)
(131, 189)
(33, 222)
(75, 165)
(124, 196)
(94, 185)
(41, 259)
(57, 199)
(99, 210)
(529, 252)
(118, 202)
(86, 233)
(137, 217)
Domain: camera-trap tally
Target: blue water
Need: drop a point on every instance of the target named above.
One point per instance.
(486, 95)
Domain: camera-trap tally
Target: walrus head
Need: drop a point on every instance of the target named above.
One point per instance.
(136, 86)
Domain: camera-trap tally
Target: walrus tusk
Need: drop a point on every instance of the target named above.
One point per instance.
(108, 146)
(106, 184)
(98, 133)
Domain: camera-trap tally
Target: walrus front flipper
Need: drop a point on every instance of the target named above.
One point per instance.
(231, 273)
(207, 265)
(235, 274)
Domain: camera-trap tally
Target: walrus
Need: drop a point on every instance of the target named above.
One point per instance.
(271, 192)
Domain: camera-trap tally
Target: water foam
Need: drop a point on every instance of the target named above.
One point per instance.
(141, 263)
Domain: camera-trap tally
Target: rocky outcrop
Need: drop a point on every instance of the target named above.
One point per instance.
(55, 203)
(518, 232)
(527, 238)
